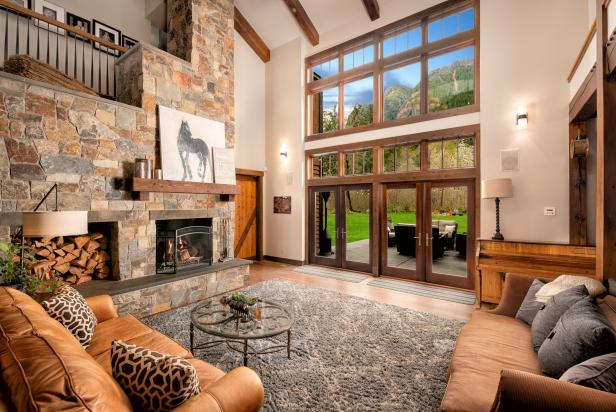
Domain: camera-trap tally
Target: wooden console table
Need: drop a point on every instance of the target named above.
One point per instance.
(496, 258)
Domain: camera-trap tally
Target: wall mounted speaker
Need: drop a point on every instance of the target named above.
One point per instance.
(510, 160)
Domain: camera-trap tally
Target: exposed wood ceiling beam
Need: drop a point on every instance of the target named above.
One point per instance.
(303, 20)
(250, 35)
(372, 7)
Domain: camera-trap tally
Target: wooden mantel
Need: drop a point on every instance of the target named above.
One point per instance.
(146, 186)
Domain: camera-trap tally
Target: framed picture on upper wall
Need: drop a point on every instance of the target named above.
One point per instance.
(128, 42)
(23, 3)
(106, 32)
(51, 11)
(78, 23)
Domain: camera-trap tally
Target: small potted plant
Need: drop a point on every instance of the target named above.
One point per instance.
(21, 276)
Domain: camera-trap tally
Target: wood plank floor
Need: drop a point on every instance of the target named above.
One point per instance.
(265, 270)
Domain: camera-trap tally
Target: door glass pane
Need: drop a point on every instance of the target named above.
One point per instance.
(449, 230)
(325, 224)
(357, 215)
(401, 228)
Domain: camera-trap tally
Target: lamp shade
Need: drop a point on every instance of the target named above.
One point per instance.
(64, 223)
(493, 188)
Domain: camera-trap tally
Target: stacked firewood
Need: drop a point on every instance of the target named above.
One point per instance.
(75, 259)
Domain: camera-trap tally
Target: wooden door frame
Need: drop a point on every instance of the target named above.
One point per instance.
(441, 278)
(418, 274)
(258, 175)
(346, 264)
(312, 256)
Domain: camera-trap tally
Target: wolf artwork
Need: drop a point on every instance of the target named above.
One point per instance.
(186, 145)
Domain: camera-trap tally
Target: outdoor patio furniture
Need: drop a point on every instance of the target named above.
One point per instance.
(405, 238)
(391, 234)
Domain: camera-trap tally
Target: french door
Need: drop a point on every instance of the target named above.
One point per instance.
(428, 232)
(340, 227)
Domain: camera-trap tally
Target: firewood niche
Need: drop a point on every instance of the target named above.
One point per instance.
(76, 259)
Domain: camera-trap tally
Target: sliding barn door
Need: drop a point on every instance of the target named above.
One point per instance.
(246, 215)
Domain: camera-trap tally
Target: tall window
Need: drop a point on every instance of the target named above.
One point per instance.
(402, 73)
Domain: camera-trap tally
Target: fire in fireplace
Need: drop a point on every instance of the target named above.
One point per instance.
(183, 244)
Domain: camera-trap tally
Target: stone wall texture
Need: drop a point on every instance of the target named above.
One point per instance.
(88, 145)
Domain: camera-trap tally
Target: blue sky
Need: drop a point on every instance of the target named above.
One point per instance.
(408, 76)
(446, 59)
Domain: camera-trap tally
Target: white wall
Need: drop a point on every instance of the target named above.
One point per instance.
(284, 234)
(527, 50)
(249, 107)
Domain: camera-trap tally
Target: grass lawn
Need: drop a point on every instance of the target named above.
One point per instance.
(358, 224)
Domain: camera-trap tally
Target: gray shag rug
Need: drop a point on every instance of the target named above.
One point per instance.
(347, 353)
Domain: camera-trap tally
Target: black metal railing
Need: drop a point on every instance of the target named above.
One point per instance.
(80, 55)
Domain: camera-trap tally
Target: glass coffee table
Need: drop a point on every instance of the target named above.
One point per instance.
(217, 320)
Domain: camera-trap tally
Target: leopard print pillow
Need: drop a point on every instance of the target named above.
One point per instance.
(152, 380)
(69, 308)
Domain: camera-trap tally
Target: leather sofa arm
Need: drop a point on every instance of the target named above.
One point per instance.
(514, 290)
(524, 391)
(240, 390)
(103, 307)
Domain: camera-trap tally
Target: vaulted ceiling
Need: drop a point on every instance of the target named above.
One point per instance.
(274, 22)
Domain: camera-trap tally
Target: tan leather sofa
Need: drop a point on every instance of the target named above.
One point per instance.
(494, 366)
(44, 368)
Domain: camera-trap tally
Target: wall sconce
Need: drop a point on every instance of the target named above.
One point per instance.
(521, 117)
(283, 153)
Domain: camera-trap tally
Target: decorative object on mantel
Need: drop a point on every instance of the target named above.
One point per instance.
(186, 145)
(158, 174)
(224, 225)
(224, 166)
(143, 168)
(282, 205)
(497, 189)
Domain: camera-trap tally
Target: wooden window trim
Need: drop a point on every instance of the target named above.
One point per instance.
(380, 65)
(380, 176)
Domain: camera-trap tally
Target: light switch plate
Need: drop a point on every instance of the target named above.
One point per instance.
(549, 211)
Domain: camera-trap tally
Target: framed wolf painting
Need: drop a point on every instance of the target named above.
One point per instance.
(186, 144)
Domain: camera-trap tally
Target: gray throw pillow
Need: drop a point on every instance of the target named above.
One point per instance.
(546, 318)
(598, 373)
(530, 306)
(581, 333)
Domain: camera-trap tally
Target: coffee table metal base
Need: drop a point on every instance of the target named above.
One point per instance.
(241, 345)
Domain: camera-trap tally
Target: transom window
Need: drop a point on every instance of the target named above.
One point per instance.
(359, 57)
(402, 73)
(452, 154)
(452, 24)
(403, 158)
(358, 163)
(325, 165)
(404, 41)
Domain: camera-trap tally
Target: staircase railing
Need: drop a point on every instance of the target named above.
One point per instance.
(82, 56)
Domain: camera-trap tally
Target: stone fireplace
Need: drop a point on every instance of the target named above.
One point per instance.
(88, 145)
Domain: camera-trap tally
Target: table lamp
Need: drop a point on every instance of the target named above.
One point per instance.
(497, 189)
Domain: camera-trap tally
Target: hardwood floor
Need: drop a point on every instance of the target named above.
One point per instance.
(266, 270)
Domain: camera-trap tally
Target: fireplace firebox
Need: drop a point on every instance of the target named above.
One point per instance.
(183, 244)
